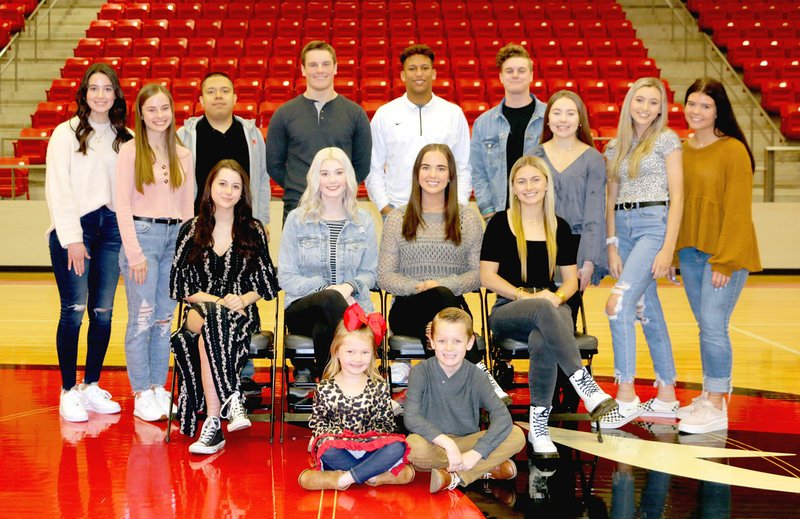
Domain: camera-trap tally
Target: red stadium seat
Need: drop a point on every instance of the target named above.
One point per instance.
(165, 11)
(230, 47)
(252, 67)
(128, 29)
(63, 90)
(262, 28)
(75, 67)
(207, 28)
(546, 48)
(194, 67)
(248, 90)
(140, 10)
(283, 67)
(136, 67)
(470, 90)
(111, 61)
(89, 48)
(259, 47)
(790, 120)
(675, 117)
(228, 66)
(14, 181)
(776, 94)
(278, 90)
(583, 68)
(594, 90)
(603, 48)
(554, 67)
(49, 114)
(234, 28)
(145, 47)
(643, 68)
(566, 29)
(174, 47)
(155, 28)
(119, 47)
(613, 68)
(758, 71)
(111, 12)
(619, 89)
(603, 114)
(186, 89)
(199, 47)
(241, 11)
(376, 89)
(245, 110)
(556, 84)
(101, 29)
(631, 48)
(165, 67)
(347, 87)
(181, 28)
(130, 87)
(32, 144)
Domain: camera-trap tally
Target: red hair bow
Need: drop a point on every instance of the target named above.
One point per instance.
(354, 318)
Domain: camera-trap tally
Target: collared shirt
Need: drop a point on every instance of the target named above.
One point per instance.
(214, 146)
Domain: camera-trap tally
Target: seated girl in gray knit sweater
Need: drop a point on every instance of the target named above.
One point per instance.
(430, 250)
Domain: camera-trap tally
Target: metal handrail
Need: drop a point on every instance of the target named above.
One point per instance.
(710, 50)
(769, 168)
(42, 10)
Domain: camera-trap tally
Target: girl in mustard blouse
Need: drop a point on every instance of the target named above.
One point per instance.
(717, 241)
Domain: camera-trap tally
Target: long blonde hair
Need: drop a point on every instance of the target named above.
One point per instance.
(626, 132)
(549, 208)
(364, 333)
(145, 156)
(310, 204)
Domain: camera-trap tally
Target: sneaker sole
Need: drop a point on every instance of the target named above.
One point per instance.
(102, 411)
(149, 419)
(211, 449)
(716, 425)
(542, 455)
(238, 426)
(436, 482)
(74, 419)
(657, 414)
(603, 407)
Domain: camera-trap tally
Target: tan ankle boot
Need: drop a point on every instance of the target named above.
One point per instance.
(311, 479)
(387, 478)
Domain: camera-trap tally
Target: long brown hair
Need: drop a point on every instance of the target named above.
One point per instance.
(244, 239)
(584, 133)
(145, 156)
(725, 124)
(117, 113)
(413, 217)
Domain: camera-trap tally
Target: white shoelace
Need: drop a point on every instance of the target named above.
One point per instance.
(210, 428)
(232, 408)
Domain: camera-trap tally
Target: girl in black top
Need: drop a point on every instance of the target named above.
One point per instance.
(221, 268)
(529, 307)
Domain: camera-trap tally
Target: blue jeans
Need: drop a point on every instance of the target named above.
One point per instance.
(712, 308)
(95, 289)
(641, 235)
(551, 342)
(150, 308)
(369, 465)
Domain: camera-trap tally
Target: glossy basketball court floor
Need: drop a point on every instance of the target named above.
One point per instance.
(118, 466)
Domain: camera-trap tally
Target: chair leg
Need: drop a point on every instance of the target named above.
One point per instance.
(171, 400)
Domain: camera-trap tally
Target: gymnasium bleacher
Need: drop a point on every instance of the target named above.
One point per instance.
(588, 46)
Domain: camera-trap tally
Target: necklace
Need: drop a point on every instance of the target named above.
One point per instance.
(99, 136)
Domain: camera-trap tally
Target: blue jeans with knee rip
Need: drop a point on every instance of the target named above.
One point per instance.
(150, 308)
(93, 290)
(712, 308)
(641, 234)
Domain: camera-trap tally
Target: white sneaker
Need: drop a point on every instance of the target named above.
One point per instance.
(705, 418)
(71, 408)
(146, 407)
(164, 400)
(502, 395)
(97, 399)
(234, 411)
(655, 408)
(624, 413)
(685, 411)
(597, 401)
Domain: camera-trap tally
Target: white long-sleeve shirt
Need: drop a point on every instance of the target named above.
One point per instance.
(399, 130)
(77, 184)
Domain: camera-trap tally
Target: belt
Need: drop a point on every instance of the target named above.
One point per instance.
(627, 206)
(165, 221)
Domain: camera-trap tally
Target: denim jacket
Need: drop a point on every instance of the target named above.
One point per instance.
(488, 154)
(303, 265)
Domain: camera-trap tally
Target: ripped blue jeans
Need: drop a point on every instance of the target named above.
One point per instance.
(150, 308)
(641, 235)
(94, 290)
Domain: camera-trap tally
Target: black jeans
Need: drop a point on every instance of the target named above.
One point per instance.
(316, 315)
(410, 315)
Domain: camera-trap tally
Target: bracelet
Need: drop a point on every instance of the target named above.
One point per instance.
(612, 241)
(517, 292)
(561, 296)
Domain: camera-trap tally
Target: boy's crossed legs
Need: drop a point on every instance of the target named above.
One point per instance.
(426, 456)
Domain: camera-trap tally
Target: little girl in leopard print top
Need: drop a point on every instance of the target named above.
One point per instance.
(354, 438)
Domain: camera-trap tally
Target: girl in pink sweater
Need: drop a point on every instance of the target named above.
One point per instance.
(154, 194)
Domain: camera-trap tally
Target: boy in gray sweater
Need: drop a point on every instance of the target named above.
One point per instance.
(442, 410)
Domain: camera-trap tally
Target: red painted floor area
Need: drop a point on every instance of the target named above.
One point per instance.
(119, 466)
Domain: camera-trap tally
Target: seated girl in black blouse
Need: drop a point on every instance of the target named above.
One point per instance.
(521, 248)
(221, 268)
